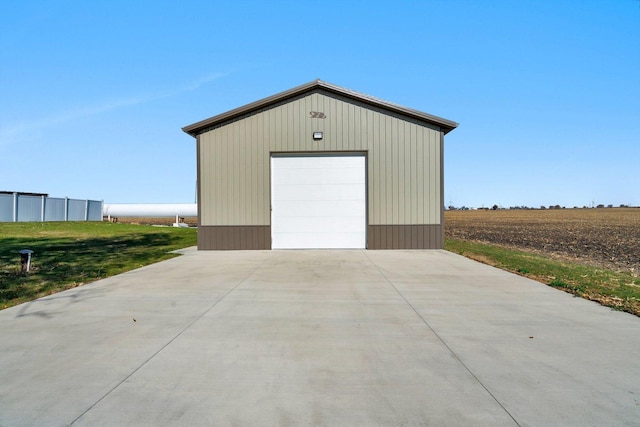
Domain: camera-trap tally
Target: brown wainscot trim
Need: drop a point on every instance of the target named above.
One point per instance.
(429, 236)
(234, 237)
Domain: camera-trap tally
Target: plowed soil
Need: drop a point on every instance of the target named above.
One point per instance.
(606, 237)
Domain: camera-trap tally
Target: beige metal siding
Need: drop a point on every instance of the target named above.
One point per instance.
(403, 160)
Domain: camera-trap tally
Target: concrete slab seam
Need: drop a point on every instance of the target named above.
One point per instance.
(168, 343)
(453, 353)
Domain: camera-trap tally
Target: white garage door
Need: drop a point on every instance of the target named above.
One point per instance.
(318, 202)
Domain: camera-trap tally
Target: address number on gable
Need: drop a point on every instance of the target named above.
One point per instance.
(317, 115)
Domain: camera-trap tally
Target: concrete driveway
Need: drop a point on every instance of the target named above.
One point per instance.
(318, 338)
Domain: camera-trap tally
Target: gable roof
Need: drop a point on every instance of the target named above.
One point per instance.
(201, 126)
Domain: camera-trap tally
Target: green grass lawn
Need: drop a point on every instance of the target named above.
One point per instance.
(618, 290)
(69, 254)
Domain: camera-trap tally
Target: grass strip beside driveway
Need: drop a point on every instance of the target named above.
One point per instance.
(69, 254)
(618, 290)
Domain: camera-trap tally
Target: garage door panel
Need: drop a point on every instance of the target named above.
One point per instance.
(311, 208)
(318, 202)
(316, 162)
(322, 225)
(314, 176)
(343, 192)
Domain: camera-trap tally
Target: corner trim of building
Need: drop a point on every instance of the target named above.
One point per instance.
(442, 189)
(198, 180)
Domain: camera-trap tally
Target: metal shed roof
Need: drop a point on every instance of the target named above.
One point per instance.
(203, 125)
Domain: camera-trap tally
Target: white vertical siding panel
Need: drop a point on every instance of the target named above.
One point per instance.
(380, 149)
(332, 114)
(403, 185)
(343, 142)
(419, 170)
(230, 181)
(424, 200)
(312, 104)
(342, 121)
(286, 126)
(410, 193)
(365, 133)
(348, 128)
(329, 126)
(263, 177)
(376, 156)
(264, 131)
(371, 186)
(220, 168)
(423, 153)
(373, 159)
(388, 171)
(275, 122)
(307, 124)
(362, 130)
(432, 178)
(214, 169)
(395, 218)
(204, 163)
(318, 105)
(311, 125)
(354, 126)
(248, 167)
(299, 141)
(234, 208)
(204, 180)
(290, 129)
(436, 178)
(324, 106)
(427, 173)
(222, 159)
(372, 177)
(270, 123)
(413, 165)
(339, 114)
(262, 171)
(257, 127)
(300, 124)
(241, 171)
(205, 198)
(280, 119)
(219, 161)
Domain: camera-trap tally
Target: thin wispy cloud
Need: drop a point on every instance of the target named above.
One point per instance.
(18, 132)
(197, 84)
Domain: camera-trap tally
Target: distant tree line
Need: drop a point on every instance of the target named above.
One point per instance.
(496, 207)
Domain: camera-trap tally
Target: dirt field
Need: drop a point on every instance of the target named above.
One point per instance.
(606, 237)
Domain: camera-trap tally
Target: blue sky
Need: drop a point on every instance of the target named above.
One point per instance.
(93, 95)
